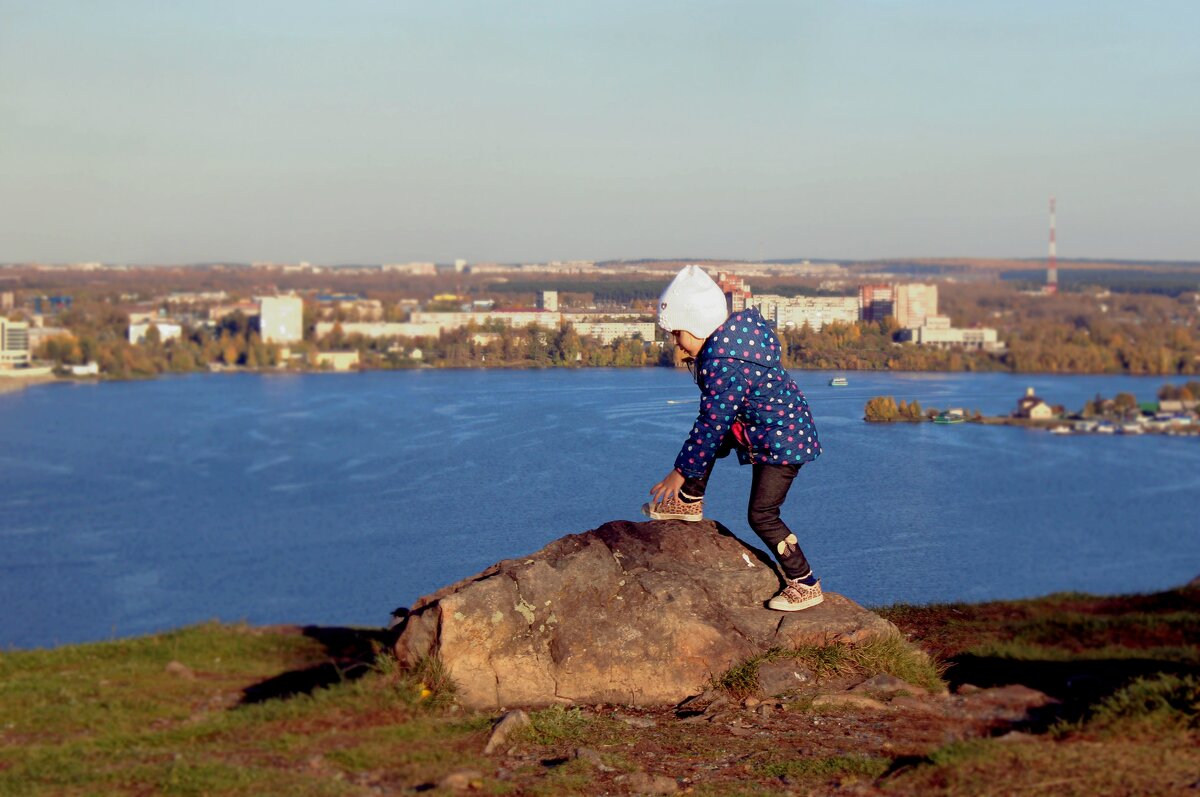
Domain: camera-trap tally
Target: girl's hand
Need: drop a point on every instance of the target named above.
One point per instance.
(668, 487)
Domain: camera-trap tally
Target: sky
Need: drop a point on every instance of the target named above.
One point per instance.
(365, 132)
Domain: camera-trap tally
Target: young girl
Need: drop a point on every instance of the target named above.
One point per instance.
(748, 403)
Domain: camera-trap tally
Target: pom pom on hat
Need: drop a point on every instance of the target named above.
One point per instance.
(692, 302)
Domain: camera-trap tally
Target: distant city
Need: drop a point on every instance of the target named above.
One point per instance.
(105, 320)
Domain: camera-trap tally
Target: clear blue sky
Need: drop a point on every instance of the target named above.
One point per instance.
(361, 131)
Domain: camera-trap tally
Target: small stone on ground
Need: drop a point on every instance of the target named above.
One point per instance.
(504, 728)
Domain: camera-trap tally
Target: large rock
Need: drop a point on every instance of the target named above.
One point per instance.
(630, 613)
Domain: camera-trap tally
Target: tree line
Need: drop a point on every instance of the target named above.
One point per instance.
(99, 333)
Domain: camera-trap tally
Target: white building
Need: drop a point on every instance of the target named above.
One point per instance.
(816, 311)
(281, 319)
(380, 329)
(14, 343)
(514, 318)
(411, 268)
(548, 300)
(338, 360)
(937, 332)
(609, 331)
(166, 331)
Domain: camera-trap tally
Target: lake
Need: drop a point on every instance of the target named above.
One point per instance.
(130, 507)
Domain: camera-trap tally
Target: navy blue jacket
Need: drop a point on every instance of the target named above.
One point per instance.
(740, 377)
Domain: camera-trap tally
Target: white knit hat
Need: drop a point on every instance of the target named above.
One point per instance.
(692, 302)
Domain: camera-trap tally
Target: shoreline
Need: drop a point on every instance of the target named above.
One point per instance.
(12, 384)
(284, 626)
(1071, 425)
(15, 384)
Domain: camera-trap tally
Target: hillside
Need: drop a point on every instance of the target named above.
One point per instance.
(1068, 694)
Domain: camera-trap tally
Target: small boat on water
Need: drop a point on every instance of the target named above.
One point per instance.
(1060, 430)
(838, 381)
(949, 417)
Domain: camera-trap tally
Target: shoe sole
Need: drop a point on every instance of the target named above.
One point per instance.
(795, 607)
(650, 513)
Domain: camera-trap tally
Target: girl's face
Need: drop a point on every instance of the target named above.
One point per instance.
(686, 342)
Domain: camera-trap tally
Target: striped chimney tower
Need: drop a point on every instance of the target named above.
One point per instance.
(1052, 260)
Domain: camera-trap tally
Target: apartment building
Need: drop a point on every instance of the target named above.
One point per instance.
(796, 311)
(914, 302)
(14, 343)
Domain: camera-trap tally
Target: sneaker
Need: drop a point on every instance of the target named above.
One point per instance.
(796, 596)
(674, 509)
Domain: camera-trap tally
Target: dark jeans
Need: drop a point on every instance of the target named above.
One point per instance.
(768, 490)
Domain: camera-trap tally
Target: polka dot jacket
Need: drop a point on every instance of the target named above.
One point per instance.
(740, 377)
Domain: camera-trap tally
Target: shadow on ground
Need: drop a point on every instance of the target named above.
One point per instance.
(351, 652)
(1079, 684)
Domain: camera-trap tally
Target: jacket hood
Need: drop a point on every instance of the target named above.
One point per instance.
(745, 335)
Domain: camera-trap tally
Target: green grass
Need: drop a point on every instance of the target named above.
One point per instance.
(107, 718)
(122, 686)
(825, 768)
(1025, 651)
(1074, 767)
(886, 654)
(1165, 701)
(961, 752)
(557, 725)
(1076, 623)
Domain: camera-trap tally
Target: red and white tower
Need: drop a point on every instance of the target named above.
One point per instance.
(1052, 260)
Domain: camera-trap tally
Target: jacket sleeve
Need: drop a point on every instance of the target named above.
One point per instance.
(723, 390)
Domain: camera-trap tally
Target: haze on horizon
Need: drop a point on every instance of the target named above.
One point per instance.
(145, 132)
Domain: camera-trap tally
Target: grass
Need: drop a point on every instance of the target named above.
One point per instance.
(1163, 702)
(108, 718)
(886, 654)
(122, 686)
(1073, 623)
(961, 752)
(426, 682)
(328, 712)
(558, 725)
(1070, 768)
(824, 768)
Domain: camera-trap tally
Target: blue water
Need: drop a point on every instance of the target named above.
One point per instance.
(131, 507)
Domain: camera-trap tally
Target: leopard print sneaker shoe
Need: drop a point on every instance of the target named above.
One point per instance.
(796, 596)
(674, 509)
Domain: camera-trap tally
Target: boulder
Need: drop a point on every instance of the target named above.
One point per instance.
(629, 613)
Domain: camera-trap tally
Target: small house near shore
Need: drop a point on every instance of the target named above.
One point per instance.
(1032, 407)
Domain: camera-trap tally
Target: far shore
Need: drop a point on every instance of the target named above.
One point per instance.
(1064, 425)
(13, 383)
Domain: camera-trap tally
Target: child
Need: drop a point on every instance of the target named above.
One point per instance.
(748, 402)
